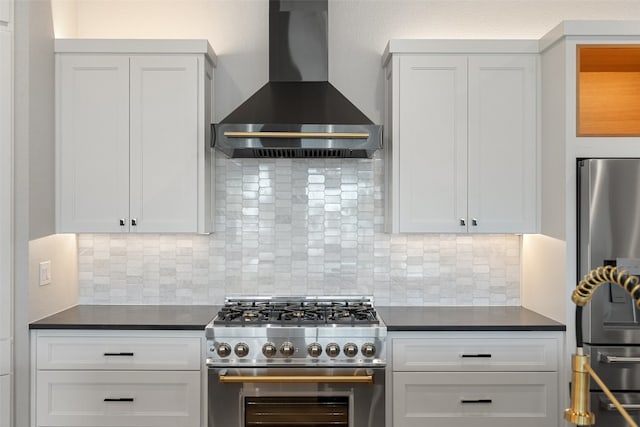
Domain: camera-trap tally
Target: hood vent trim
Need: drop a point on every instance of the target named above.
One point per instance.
(298, 113)
(295, 153)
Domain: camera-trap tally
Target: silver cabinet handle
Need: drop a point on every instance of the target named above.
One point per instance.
(474, 221)
(606, 358)
(134, 222)
(122, 222)
(628, 406)
(463, 222)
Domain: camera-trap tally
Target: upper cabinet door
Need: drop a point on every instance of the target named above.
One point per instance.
(164, 143)
(432, 143)
(92, 96)
(5, 12)
(502, 143)
(6, 207)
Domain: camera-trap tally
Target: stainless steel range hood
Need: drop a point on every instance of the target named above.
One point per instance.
(298, 113)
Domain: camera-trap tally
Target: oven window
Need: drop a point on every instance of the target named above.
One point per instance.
(317, 411)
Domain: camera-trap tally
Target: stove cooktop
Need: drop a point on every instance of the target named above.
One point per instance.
(297, 312)
(296, 331)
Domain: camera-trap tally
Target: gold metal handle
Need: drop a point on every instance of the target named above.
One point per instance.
(235, 379)
(315, 135)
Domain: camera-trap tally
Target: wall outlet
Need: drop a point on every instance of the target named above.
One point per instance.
(45, 273)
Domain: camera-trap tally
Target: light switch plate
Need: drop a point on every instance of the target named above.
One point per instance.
(45, 273)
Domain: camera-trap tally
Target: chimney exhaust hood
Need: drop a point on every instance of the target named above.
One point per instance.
(298, 113)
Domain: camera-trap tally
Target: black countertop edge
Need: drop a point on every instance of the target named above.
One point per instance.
(397, 318)
(466, 318)
(486, 328)
(130, 317)
(88, 326)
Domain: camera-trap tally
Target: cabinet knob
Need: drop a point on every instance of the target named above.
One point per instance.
(474, 221)
(134, 222)
(463, 222)
(122, 222)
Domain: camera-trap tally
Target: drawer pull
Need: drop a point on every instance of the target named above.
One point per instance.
(118, 399)
(485, 355)
(476, 400)
(119, 354)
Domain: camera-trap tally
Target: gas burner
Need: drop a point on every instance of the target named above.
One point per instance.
(297, 312)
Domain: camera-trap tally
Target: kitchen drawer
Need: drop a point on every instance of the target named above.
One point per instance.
(5, 401)
(118, 352)
(79, 398)
(472, 354)
(457, 399)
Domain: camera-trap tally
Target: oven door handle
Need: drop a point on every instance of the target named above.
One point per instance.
(606, 358)
(235, 379)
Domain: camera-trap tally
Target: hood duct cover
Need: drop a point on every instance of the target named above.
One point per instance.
(298, 113)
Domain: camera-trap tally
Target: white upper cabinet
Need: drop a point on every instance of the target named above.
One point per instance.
(133, 141)
(461, 142)
(432, 124)
(5, 11)
(502, 190)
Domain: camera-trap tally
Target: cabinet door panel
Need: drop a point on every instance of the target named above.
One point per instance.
(474, 354)
(502, 143)
(5, 11)
(501, 399)
(122, 353)
(6, 181)
(90, 398)
(433, 143)
(5, 400)
(164, 143)
(93, 143)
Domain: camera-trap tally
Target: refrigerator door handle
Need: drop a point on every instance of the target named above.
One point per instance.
(612, 360)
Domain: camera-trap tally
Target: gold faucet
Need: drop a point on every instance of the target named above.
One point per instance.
(579, 413)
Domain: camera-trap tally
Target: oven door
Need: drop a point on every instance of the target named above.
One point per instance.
(296, 396)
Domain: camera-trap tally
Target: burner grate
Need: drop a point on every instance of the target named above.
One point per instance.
(296, 313)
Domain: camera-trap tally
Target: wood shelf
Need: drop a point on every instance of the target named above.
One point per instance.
(608, 90)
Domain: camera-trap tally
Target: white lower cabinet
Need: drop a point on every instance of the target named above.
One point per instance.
(5, 400)
(114, 378)
(460, 379)
(118, 398)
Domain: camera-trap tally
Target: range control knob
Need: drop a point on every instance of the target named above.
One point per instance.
(269, 350)
(333, 349)
(224, 349)
(350, 349)
(314, 349)
(368, 349)
(287, 349)
(241, 349)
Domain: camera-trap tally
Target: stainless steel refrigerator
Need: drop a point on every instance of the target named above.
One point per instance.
(609, 234)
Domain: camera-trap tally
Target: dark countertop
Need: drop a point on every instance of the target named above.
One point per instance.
(167, 317)
(493, 318)
(196, 317)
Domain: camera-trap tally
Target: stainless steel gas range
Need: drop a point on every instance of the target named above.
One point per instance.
(296, 361)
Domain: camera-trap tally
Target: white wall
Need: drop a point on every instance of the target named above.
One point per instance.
(62, 251)
(33, 186)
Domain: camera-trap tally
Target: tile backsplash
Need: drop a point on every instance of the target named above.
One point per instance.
(299, 227)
